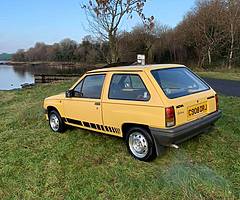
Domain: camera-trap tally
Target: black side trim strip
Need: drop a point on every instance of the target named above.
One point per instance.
(93, 126)
(86, 124)
(106, 128)
(72, 121)
(102, 127)
(98, 126)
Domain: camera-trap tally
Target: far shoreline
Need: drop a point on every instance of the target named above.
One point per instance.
(51, 64)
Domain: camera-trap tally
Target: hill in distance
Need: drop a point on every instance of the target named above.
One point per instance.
(5, 56)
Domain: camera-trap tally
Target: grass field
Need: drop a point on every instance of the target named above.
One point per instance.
(37, 164)
(221, 75)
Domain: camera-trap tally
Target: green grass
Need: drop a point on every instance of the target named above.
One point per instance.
(221, 75)
(38, 164)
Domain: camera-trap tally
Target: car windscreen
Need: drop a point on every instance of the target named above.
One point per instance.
(178, 82)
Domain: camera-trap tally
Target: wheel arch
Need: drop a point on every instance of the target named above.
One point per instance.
(126, 126)
(51, 108)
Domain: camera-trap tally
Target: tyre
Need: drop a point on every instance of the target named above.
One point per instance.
(55, 122)
(140, 144)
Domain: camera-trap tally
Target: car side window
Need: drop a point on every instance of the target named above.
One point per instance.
(128, 87)
(77, 92)
(90, 87)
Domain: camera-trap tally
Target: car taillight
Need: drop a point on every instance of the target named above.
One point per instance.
(217, 103)
(170, 116)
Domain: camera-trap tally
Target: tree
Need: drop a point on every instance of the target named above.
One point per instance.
(37, 53)
(233, 16)
(19, 55)
(67, 47)
(105, 17)
(204, 29)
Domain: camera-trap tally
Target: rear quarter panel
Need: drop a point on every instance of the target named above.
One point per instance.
(118, 112)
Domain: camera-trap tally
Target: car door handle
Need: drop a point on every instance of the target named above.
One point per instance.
(97, 103)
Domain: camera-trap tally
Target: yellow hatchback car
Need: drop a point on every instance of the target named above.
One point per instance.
(151, 106)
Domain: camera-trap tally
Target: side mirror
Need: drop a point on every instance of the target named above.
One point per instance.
(69, 94)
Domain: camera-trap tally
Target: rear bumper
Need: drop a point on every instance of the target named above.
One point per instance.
(166, 137)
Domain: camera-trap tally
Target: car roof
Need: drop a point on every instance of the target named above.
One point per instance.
(136, 68)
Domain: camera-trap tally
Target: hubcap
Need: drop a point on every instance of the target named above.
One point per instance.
(138, 144)
(54, 122)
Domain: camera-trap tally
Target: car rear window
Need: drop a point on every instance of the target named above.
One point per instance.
(178, 82)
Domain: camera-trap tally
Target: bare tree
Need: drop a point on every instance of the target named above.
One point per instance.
(19, 55)
(204, 27)
(105, 17)
(233, 19)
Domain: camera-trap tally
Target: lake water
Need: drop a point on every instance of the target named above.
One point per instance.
(12, 77)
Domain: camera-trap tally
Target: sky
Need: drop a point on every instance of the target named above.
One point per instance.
(25, 22)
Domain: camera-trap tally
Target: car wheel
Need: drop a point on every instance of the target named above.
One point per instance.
(140, 144)
(55, 121)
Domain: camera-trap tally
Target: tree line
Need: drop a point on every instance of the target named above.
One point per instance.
(88, 51)
(207, 37)
(5, 56)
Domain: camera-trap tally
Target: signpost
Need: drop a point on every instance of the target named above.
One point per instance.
(141, 59)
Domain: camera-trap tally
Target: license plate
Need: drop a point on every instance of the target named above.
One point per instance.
(197, 109)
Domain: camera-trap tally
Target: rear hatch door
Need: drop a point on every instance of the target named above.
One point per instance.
(191, 97)
(195, 106)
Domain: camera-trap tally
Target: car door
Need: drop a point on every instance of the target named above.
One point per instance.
(84, 108)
